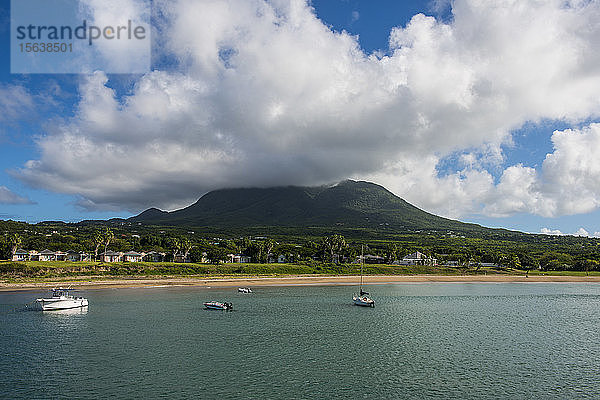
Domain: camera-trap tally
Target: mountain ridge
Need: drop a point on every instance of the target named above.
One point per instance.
(348, 204)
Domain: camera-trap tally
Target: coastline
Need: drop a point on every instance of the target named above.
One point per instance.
(225, 282)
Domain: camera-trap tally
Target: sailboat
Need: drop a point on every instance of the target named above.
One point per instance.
(363, 298)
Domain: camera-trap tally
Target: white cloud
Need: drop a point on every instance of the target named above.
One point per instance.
(580, 232)
(118, 56)
(547, 231)
(15, 102)
(266, 94)
(9, 197)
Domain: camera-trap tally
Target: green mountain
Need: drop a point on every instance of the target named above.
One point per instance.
(347, 205)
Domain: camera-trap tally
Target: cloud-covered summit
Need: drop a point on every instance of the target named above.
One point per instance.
(263, 93)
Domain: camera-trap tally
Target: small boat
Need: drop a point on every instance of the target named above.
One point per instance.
(217, 305)
(363, 298)
(244, 290)
(62, 300)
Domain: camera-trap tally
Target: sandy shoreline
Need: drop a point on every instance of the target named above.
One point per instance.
(287, 281)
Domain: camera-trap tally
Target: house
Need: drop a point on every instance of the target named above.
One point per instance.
(34, 255)
(281, 258)
(133, 256)
(491, 265)
(73, 256)
(110, 256)
(181, 259)
(77, 256)
(60, 256)
(47, 255)
(237, 258)
(373, 259)
(20, 255)
(154, 256)
(417, 258)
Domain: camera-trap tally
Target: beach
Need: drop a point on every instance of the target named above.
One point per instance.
(285, 281)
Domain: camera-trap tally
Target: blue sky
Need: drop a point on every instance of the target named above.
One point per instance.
(445, 109)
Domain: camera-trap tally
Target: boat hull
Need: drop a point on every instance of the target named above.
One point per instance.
(363, 302)
(62, 304)
(214, 305)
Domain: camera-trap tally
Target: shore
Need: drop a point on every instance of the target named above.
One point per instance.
(286, 281)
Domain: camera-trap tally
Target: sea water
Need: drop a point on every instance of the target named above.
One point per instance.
(429, 340)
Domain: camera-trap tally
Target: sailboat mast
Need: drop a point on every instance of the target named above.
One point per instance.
(362, 263)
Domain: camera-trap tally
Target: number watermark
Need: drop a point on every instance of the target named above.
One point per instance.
(72, 36)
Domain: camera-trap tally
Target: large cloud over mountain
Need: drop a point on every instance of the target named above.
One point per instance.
(264, 93)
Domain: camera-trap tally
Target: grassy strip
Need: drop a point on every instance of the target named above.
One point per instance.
(18, 271)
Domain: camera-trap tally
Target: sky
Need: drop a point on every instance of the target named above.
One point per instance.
(486, 111)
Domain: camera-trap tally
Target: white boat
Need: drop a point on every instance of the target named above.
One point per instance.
(62, 300)
(244, 290)
(217, 305)
(362, 299)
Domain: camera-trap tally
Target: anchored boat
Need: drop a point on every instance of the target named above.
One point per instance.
(217, 305)
(62, 300)
(244, 290)
(363, 298)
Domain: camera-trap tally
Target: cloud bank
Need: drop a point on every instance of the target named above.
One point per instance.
(263, 93)
(579, 232)
(9, 197)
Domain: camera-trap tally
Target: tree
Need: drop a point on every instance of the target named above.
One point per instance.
(186, 247)
(515, 262)
(108, 237)
(135, 243)
(216, 254)
(175, 246)
(15, 241)
(333, 245)
(97, 239)
(267, 247)
(243, 244)
(391, 252)
(254, 251)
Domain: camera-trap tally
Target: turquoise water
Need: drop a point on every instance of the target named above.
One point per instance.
(445, 341)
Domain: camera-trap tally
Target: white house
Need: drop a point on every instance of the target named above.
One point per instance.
(110, 256)
(20, 255)
(237, 259)
(418, 258)
(133, 256)
(47, 255)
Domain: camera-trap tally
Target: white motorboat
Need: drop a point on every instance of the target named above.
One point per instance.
(62, 300)
(363, 298)
(217, 305)
(244, 290)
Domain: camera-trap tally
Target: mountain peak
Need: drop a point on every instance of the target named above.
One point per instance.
(350, 203)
